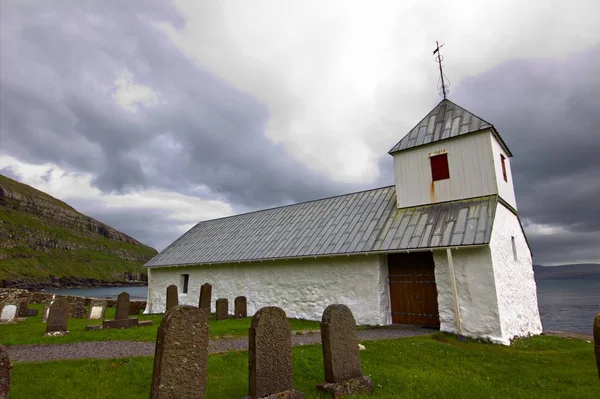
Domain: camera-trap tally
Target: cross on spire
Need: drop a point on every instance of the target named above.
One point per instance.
(443, 87)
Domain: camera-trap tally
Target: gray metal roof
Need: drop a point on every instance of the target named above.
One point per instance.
(362, 222)
(445, 121)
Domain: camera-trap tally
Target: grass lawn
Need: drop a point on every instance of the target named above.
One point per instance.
(437, 366)
(31, 331)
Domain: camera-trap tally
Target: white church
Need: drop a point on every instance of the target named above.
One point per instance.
(442, 248)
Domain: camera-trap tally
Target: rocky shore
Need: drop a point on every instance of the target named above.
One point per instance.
(129, 279)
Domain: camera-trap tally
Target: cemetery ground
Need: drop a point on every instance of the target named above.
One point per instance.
(31, 330)
(427, 366)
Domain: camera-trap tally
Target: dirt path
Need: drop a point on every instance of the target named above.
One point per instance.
(117, 349)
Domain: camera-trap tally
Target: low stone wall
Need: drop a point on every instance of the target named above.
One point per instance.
(15, 295)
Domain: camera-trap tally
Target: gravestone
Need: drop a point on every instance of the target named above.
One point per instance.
(8, 312)
(181, 354)
(122, 312)
(222, 309)
(78, 308)
(97, 309)
(240, 307)
(47, 304)
(5, 372)
(31, 312)
(22, 308)
(205, 297)
(58, 315)
(343, 375)
(172, 298)
(597, 341)
(122, 319)
(270, 355)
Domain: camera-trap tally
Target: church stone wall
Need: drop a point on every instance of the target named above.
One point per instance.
(515, 283)
(475, 284)
(303, 288)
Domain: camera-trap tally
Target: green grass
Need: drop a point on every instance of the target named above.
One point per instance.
(435, 366)
(31, 330)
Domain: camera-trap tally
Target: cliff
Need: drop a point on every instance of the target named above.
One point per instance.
(45, 242)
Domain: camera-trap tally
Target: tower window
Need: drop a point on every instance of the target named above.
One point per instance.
(439, 167)
(514, 248)
(502, 160)
(185, 278)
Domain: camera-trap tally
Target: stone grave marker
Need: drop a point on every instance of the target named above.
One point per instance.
(5, 372)
(240, 306)
(270, 356)
(181, 354)
(172, 298)
(122, 319)
(222, 309)
(9, 312)
(58, 316)
(597, 341)
(205, 297)
(78, 308)
(22, 308)
(343, 375)
(31, 312)
(47, 304)
(97, 309)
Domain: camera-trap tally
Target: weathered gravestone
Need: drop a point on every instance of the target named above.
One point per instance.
(8, 312)
(22, 308)
(597, 341)
(270, 356)
(222, 309)
(172, 298)
(122, 319)
(205, 297)
(181, 354)
(240, 307)
(5, 372)
(58, 316)
(77, 307)
(97, 310)
(343, 375)
(47, 304)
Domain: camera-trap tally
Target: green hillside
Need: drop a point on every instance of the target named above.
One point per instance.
(44, 241)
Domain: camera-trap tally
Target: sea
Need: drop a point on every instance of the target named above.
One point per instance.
(565, 305)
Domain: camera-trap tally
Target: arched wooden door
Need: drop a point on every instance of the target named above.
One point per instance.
(413, 292)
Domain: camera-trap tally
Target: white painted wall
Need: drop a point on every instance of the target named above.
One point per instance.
(476, 290)
(515, 283)
(302, 288)
(506, 189)
(470, 164)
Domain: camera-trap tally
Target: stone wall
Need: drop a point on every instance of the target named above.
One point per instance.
(15, 294)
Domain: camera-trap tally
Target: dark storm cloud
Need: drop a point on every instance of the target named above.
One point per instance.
(58, 66)
(547, 111)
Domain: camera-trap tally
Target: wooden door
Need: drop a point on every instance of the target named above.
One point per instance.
(413, 292)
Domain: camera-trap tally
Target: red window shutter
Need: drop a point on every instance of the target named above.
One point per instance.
(439, 167)
(503, 167)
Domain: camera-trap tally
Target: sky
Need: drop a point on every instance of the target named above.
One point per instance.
(151, 116)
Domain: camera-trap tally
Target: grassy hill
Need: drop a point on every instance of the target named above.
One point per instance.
(45, 242)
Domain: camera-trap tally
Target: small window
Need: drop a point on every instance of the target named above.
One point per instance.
(514, 248)
(439, 167)
(185, 278)
(502, 160)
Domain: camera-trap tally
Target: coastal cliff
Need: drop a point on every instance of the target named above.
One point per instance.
(44, 242)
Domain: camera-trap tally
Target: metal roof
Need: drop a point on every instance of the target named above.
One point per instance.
(445, 121)
(362, 222)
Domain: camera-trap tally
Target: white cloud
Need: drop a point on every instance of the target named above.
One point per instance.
(344, 81)
(130, 95)
(183, 211)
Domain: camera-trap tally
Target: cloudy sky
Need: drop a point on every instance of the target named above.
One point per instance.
(153, 115)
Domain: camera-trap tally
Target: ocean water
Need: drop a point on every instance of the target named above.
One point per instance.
(565, 305)
(568, 305)
(135, 293)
